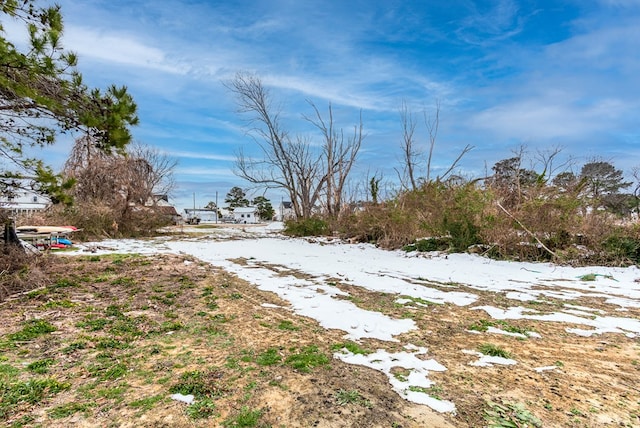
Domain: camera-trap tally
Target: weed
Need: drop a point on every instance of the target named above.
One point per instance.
(109, 343)
(482, 325)
(493, 350)
(124, 281)
(588, 277)
(507, 415)
(107, 367)
(113, 393)
(58, 304)
(352, 347)
(7, 372)
(198, 383)
(31, 330)
(433, 391)
(32, 392)
(401, 374)
(343, 398)
(202, 409)
(68, 409)
(41, 366)
(576, 412)
(307, 359)
(74, 346)
(245, 418)
(91, 323)
(167, 326)
(269, 357)
(287, 325)
(24, 421)
(220, 318)
(235, 296)
(147, 403)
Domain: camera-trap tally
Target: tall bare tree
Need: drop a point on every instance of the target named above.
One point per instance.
(340, 154)
(412, 156)
(308, 172)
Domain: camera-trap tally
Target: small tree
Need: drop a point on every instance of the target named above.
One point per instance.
(264, 207)
(236, 198)
(602, 178)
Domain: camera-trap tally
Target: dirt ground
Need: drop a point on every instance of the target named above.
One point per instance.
(111, 338)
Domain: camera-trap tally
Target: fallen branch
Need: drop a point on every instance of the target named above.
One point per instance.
(525, 229)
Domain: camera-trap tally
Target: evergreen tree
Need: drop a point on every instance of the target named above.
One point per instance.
(43, 95)
(264, 208)
(602, 178)
(236, 198)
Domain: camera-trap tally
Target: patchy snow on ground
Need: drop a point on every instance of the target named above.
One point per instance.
(304, 272)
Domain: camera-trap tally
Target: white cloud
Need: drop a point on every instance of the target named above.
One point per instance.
(203, 172)
(112, 48)
(199, 155)
(544, 119)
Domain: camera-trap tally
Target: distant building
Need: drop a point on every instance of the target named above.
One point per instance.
(285, 211)
(245, 215)
(205, 215)
(24, 202)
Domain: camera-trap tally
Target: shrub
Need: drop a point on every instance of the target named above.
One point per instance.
(306, 227)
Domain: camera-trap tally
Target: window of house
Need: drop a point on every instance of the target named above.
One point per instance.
(34, 199)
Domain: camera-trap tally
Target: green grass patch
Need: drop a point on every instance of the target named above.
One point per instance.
(202, 409)
(483, 325)
(419, 300)
(41, 366)
(107, 367)
(508, 415)
(199, 383)
(307, 359)
(352, 347)
(74, 346)
(245, 418)
(31, 329)
(65, 303)
(32, 392)
(287, 325)
(8, 372)
(493, 350)
(147, 403)
(92, 323)
(344, 398)
(68, 409)
(270, 357)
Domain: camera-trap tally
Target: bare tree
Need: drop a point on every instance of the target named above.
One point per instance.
(412, 156)
(118, 180)
(158, 178)
(339, 156)
(306, 172)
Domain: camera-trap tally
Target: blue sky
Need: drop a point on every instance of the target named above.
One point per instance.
(506, 73)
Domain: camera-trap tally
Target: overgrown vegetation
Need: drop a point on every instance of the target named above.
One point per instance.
(515, 213)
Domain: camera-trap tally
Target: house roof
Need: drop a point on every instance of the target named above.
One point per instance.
(244, 210)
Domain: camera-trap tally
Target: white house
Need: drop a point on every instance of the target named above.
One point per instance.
(205, 215)
(285, 211)
(24, 202)
(246, 215)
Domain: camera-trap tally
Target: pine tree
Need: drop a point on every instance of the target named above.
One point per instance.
(43, 95)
